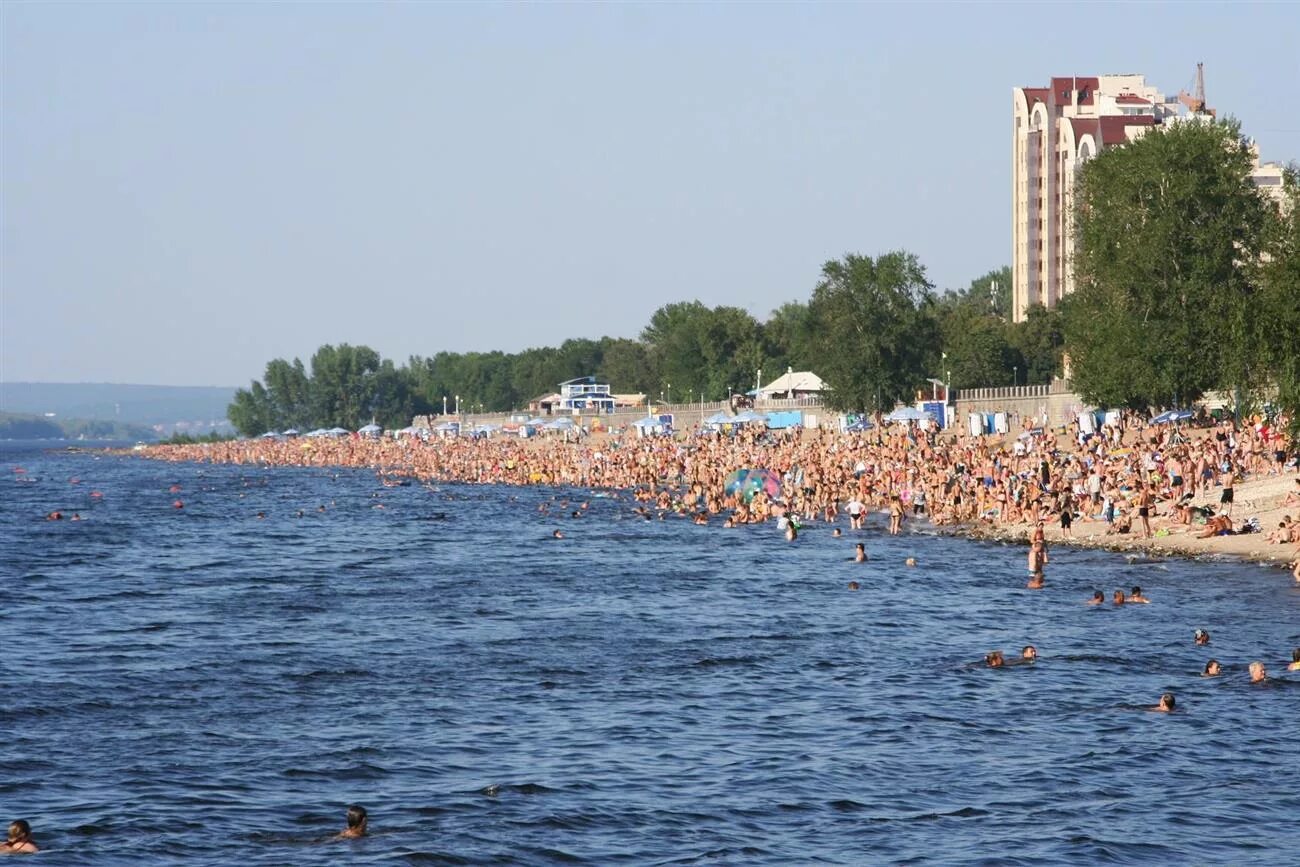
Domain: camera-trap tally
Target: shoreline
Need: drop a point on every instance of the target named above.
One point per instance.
(1261, 498)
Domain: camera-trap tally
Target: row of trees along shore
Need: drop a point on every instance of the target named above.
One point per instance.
(1187, 280)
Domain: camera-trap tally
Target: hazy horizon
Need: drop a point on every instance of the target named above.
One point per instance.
(191, 190)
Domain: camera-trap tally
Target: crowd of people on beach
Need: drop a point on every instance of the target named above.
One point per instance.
(1129, 479)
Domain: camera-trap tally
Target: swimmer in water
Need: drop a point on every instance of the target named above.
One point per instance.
(556, 534)
(1098, 598)
(1166, 703)
(1212, 669)
(1258, 674)
(1119, 598)
(1136, 596)
(19, 840)
(357, 823)
(54, 516)
(1029, 653)
(1201, 637)
(1295, 660)
(910, 561)
(836, 533)
(860, 553)
(993, 659)
(853, 585)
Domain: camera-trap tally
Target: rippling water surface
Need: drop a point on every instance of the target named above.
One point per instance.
(204, 686)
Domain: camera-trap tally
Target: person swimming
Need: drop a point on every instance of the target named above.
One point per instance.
(860, 553)
(1098, 598)
(1166, 703)
(1258, 674)
(1029, 653)
(358, 822)
(557, 534)
(1295, 660)
(1119, 597)
(994, 659)
(1201, 637)
(853, 585)
(1136, 596)
(836, 533)
(1212, 669)
(19, 839)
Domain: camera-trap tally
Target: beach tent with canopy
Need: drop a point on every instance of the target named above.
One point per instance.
(908, 413)
(560, 424)
(650, 426)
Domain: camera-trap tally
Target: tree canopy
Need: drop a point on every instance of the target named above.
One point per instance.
(1170, 232)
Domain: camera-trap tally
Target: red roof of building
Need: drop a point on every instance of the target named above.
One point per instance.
(1085, 126)
(1131, 99)
(1113, 126)
(1063, 88)
(1036, 94)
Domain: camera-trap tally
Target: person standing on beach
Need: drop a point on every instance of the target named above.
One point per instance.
(1144, 500)
(1228, 478)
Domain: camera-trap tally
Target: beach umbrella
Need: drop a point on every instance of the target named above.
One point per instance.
(749, 417)
(269, 435)
(291, 432)
(860, 425)
(718, 418)
(535, 422)
(337, 432)
(749, 481)
(907, 413)
(371, 428)
(319, 432)
(560, 424)
(1172, 415)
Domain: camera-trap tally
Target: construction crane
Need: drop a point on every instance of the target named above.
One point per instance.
(1195, 102)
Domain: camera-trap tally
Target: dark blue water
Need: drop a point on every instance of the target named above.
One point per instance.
(204, 686)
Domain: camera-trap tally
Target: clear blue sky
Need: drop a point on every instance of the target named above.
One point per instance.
(190, 190)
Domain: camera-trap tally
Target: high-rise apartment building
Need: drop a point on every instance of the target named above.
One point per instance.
(1055, 129)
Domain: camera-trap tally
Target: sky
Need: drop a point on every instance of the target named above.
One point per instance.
(188, 191)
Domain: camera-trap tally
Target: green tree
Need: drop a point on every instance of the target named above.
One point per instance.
(1278, 335)
(788, 336)
(975, 341)
(1170, 228)
(343, 385)
(874, 330)
(288, 389)
(251, 412)
(1038, 342)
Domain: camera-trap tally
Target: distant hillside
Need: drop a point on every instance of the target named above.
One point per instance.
(31, 427)
(133, 404)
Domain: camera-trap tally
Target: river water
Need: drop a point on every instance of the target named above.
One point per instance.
(201, 685)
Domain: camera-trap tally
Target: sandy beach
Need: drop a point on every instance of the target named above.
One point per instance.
(1257, 498)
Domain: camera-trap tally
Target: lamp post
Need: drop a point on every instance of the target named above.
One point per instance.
(1015, 375)
(444, 404)
(457, 406)
(670, 392)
